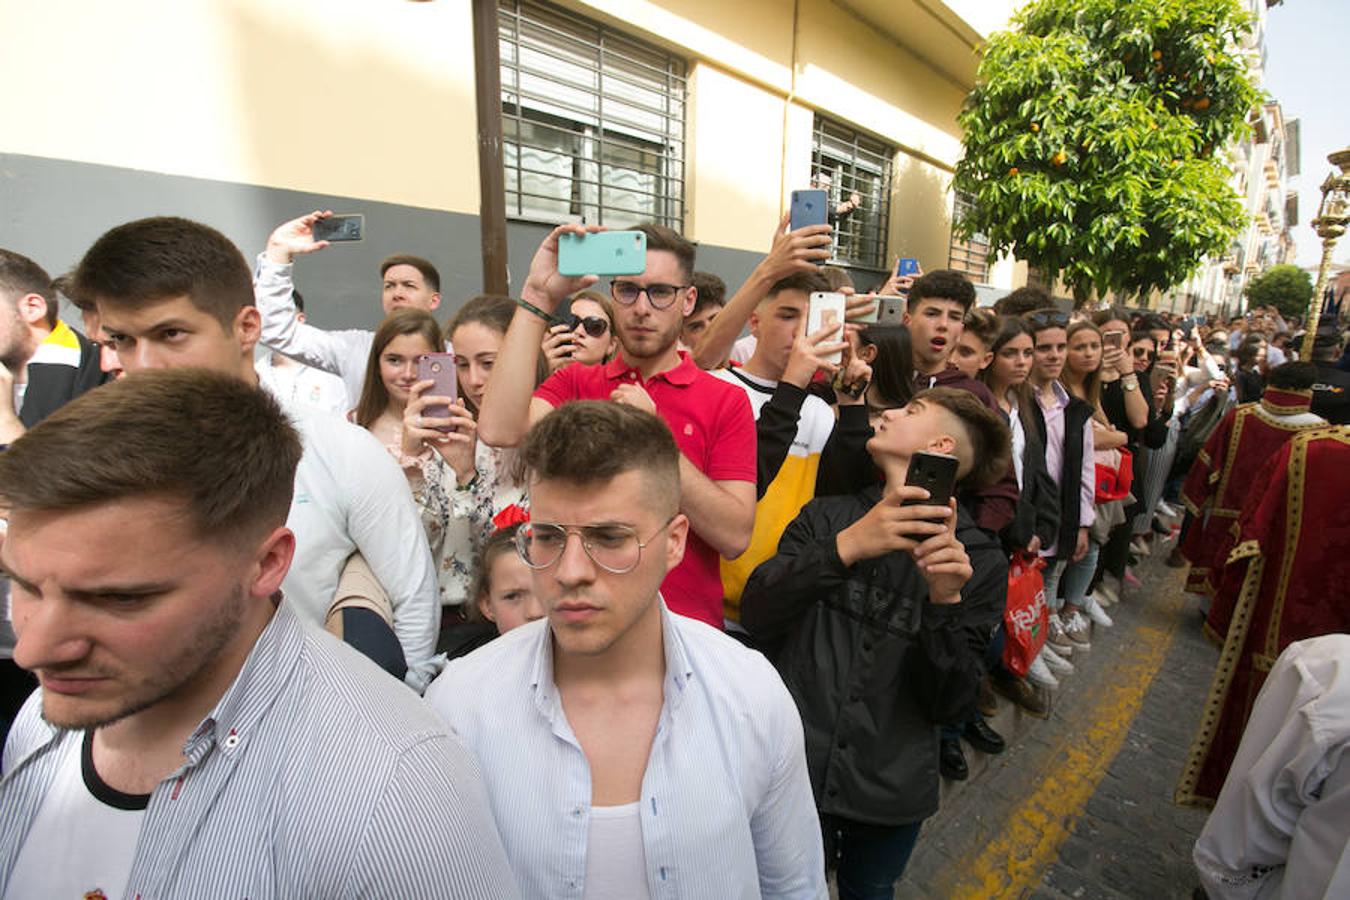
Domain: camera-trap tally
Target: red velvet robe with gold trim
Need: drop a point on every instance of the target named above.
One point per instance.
(1290, 575)
(1221, 479)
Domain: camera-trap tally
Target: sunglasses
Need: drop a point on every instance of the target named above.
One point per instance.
(1049, 318)
(595, 326)
(1144, 353)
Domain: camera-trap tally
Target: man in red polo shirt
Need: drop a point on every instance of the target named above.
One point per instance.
(710, 419)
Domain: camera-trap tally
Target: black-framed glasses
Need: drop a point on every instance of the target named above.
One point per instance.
(1048, 318)
(660, 296)
(1145, 353)
(613, 547)
(595, 326)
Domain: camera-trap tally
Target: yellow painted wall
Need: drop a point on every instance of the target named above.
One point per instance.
(843, 68)
(374, 99)
(366, 98)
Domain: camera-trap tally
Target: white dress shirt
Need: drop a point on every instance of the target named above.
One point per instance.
(1281, 825)
(726, 803)
(350, 495)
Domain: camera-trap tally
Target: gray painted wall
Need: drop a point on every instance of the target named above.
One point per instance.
(52, 210)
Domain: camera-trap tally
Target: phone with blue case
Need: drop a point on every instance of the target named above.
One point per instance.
(907, 265)
(809, 208)
(602, 253)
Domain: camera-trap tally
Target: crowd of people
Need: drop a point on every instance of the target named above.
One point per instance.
(751, 669)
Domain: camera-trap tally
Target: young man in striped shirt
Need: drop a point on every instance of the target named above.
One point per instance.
(191, 738)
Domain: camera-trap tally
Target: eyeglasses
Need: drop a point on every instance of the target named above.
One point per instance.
(592, 325)
(660, 296)
(1052, 318)
(1144, 353)
(614, 548)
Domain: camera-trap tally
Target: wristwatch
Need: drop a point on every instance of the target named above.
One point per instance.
(1130, 382)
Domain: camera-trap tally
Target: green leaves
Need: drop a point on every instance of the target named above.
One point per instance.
(1285, 287)
(1089, 138)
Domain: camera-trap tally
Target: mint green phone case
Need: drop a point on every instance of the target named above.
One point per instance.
(603, 253)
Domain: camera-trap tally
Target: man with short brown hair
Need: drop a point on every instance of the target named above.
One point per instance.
(191, 738)
(172, 293)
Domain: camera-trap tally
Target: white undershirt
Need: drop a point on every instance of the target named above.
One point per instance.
(80, 842)
(616, 863)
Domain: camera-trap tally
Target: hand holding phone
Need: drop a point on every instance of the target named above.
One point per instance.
(906, 265)
(935, 473)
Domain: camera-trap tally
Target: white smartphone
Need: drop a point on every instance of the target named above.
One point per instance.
(891, 310)
(827, 309)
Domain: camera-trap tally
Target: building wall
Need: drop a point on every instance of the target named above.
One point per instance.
(243, 113)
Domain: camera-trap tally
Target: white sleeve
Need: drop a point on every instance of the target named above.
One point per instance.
(1276, 775)
(384, 524)
(282, 330)
(785, 827)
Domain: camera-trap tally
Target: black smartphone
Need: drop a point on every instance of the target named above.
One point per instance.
(350, 227)
(936, 473)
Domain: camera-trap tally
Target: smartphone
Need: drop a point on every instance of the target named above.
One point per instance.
(891, 310)
(809, 208)
(907, 265)
(936, 473)
(1114, 339)
(602, 253)
(827, 309)
(350, 227)
(440, 368)
(868, 318)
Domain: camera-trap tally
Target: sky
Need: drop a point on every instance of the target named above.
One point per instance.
(1306, 43)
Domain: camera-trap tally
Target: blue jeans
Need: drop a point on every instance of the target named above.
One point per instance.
(871, 857)
(1078, 576)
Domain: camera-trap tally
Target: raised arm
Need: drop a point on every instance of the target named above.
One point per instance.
(791, 251)
(283, 329)
(508, 409)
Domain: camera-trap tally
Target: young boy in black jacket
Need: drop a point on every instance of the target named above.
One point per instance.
(882, 612)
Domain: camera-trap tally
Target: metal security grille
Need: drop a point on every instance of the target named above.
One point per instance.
(968, 256)
(592, 121)
(844, 162)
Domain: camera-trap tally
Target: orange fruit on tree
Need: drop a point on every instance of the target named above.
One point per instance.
(1059, 158)
(1202, 103)
(1013, 170)
(1035, 128)
(1157, 54)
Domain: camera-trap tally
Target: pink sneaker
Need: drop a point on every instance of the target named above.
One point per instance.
(1130, 581)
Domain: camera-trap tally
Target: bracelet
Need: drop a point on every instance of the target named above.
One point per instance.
(527, 305)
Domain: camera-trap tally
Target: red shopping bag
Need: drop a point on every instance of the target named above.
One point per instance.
(1026, 617)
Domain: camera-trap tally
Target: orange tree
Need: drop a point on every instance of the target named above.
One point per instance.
(1090, 139)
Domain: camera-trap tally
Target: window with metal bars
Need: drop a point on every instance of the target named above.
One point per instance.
(592, 121)
(845, 162)
(969, 256)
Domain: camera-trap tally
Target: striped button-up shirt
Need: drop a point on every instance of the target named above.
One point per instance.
(726, 805)
(316, 775)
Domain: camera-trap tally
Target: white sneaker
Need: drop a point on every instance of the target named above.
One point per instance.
(1078, 631)
(1167, 509)
(1056, 663)
(1096, 613)
(1039, 673)
(1106, 590)
(1139, 547)
(1102, 598)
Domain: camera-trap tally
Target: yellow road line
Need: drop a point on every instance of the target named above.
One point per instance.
(1016, 860)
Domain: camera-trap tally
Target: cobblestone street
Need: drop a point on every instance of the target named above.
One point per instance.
(1080, 805)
